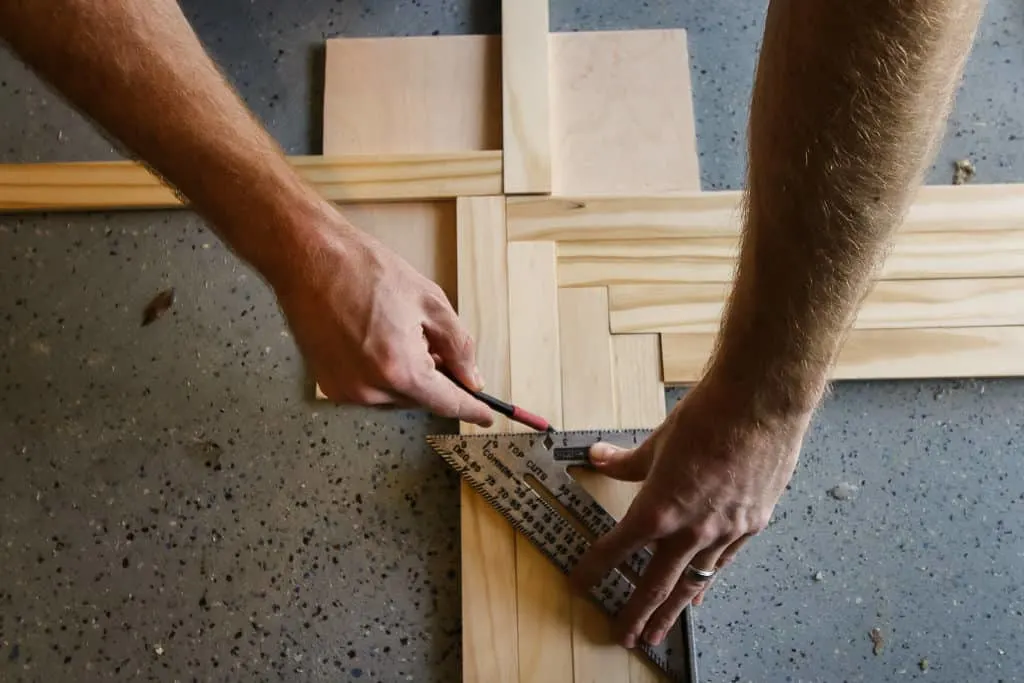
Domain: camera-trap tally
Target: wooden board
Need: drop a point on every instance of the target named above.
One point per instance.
(413, 95)
(108, 185)
(525, 96)
(491, 646)
(970, 352)
(936, 209)
(904, 304)
(543, 592)
(589, 402)
(914, 256)
(621, 97)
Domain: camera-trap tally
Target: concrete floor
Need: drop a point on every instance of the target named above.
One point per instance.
(171, 507)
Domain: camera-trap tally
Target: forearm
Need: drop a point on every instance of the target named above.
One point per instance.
(848, 107)
(138, 70)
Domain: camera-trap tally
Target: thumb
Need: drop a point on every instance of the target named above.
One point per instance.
(625, 464)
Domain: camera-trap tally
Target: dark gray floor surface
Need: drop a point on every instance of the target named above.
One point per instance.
(172, 508)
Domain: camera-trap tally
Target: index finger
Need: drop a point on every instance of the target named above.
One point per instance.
(441, 396)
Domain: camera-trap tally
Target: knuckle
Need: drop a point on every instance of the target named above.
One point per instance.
(705, 533)
(395, 371)
(434, 296)
(760, 520)
(655, 593)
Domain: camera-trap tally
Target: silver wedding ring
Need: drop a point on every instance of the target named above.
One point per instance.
(698, 575)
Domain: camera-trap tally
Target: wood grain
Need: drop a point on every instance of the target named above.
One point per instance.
(946, 353)
(622, 115)
(490, 641)
(112, 185)
(623, 96)
(413, 95)
(589, 402)
(526, 99)
(914, 256)
(936, 209)
(902, 304)
(544, 594)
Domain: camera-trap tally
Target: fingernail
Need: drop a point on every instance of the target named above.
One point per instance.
(600, 453)
(478, 379)
(656, 638)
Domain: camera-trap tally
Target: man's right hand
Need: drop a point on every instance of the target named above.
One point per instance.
(372, 328)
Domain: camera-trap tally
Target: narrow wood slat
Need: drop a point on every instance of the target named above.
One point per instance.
(914, 256)
(937, 208)
(543, 592)
(697, 308)
(526, 98)
(936, 353)
(589, 402)
(491, 646)
(110, 185)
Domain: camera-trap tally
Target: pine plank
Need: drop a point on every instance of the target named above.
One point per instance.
(112, 185)
(543, 592)
(640, 404)
(936, 208)
(914, 256)
(935, 353)
(490, 642)
(525, 96)
(589, 402)
(902, 304)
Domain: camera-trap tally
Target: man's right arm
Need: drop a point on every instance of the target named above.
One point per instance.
(849, 104)
(366, 321)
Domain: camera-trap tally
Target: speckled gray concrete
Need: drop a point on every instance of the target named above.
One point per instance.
(173, 508)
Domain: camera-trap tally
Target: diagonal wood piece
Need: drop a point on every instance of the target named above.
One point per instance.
(491, 644)
(646, 215)
(525, 96)
(891, 304)
(944, 353)
(110, 185)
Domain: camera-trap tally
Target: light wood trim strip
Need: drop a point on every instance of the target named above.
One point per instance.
(526, 121)
(934, 353)
(544, 594)
(697, 308)
(109, 185)
(937, 208)
(491, 644)
(914, 256)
